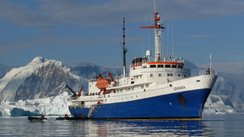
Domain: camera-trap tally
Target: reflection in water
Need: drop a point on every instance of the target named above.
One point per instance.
(147, 127)
(102, 128)
(214, 126)
(166, 127)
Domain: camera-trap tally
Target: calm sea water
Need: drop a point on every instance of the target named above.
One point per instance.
(212, 126)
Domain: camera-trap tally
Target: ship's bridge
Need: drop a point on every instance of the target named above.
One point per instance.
(165, 63)
(165, 70)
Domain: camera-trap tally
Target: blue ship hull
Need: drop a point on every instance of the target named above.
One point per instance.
(187, 104)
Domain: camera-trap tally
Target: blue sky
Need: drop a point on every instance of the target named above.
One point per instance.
(75, 31)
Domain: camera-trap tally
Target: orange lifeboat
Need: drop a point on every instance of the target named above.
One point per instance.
(102, 83)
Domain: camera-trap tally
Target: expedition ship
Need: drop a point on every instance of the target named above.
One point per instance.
(161, 88)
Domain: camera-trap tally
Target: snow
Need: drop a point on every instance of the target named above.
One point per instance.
(57, 105)
(218, 105)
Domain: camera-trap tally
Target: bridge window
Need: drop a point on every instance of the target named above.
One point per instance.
(160, 66)
(167, 66)
(174, 66)
(152, 66)
(180, 66)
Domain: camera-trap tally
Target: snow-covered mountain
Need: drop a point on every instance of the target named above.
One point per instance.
(230, 84)
(39, 79)
(234, 74)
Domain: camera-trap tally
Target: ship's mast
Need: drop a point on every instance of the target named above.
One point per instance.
(124, 50)
(157, 33)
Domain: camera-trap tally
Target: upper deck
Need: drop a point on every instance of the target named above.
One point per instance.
(161, 71)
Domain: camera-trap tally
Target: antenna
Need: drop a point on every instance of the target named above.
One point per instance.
(157, 33)
(124, 50)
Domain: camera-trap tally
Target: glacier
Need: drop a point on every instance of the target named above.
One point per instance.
(57, 105)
